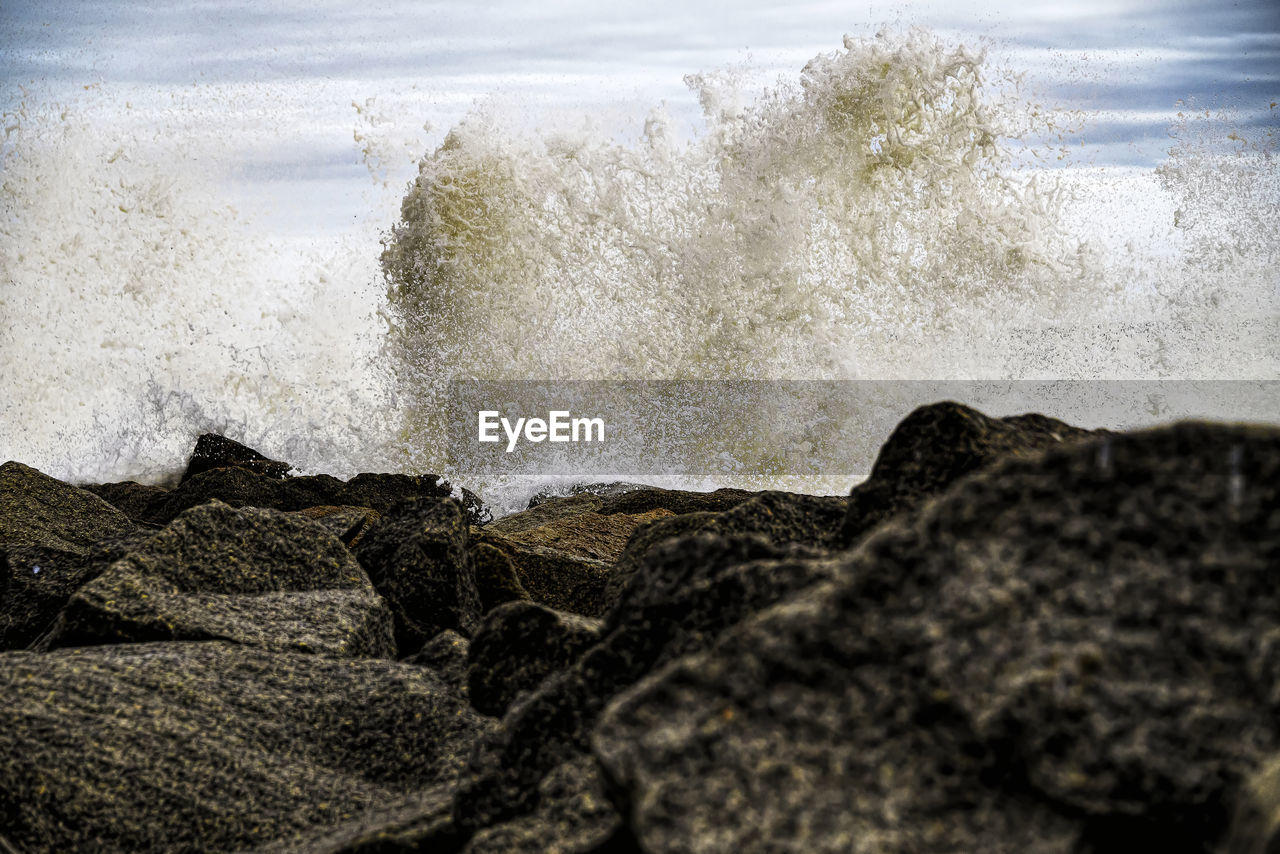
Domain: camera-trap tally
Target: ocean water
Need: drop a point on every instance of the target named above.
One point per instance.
(895, 210)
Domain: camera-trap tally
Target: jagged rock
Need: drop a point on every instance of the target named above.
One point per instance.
(573, 816)
(215, 746)
(589, 535)
(239, 487)
(348, 524)
(417, 559)
(419, 821)
(935, 446)
(213, 451)
(517, 646)
(496, 577)
(686, 592)
(1062, 652)
(446, 655)
(779, 517)
(585, 490)
(253, 576)
(39, 581)
(129, 497)
(544, 512)
(554, 578)
(38, 510)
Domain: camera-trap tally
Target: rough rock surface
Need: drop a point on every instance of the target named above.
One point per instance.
(129, 497)
(36, 582)
(677, 501)
(213, 746)
(496, 577)
(38, 510)
(213, 451)
(517, 646)
(589, 535)
(935, 446)
(554, 578)
(685, 594)
(446, 655)
(252, 576)
(348, 524)
(1067, 649)
(417, 559)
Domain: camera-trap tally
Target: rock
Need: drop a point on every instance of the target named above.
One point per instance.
(517, 646)
(779, 517)
(213, 451)
(544, 512)
(935, 446)
(685, 594)
(589, 535)
(37, 510)
(129, 497)
(573, 815)
(446, 656)
(592, 490)
(676, 501)
(39, 581)
(419, 821)
(215, 746)
(554, 578)
(348, 524)
(1061, 652)
(252, 576)
(496, 578)
(417, 559)
(239, 487)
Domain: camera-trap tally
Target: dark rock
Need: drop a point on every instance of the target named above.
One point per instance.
(935, 446)
(129, 497)
(779, 517)
(1255, 827)
(573, 815)
(213, 451)
(496, 577)
(348, 524)
(677, 501)
(419, 821)
(417, 559)
(554, 578)
(37, 510)
(517, 646)
(1062, 652)
(585, 490)
(685, 594)
(239, 487)
(550, 510)
(589, 535)
(445, 655)
(39, 581)
(253, 576)
(214, 746)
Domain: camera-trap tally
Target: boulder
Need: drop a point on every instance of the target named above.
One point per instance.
(496, 578)
(348, 524)
(517, 646)
(676, 501)
(935, 446)
(554, 578)
(213, 451)
(1068, 651)
(686, 592)
(446, 656)
(129, 497)
(543, 512)
(417, 559)
(38, 510)
(589, 535)
(216, 746)
(253, 576)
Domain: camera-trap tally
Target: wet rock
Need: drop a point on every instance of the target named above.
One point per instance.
(215, 746)
(517, 646)
(585, 490)
(496, 577)
(239, 487)
(213, 451)
(554, 578)
(676, 501)
(129, 497)
(543, 512)
(348, 524)
(252, 576)
(417, 559)
(685, 594)
(1062, 652)
(589, 535)
(38, 510)
(935, 446)
(779, 517)
(445, 655)
(573, 816)
(38, 582)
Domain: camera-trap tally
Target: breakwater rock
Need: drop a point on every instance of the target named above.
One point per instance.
(1016, 635)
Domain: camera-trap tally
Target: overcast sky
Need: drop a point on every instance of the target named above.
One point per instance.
(282, 75)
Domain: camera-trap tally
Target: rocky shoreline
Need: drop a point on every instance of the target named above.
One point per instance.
(1017, 635)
